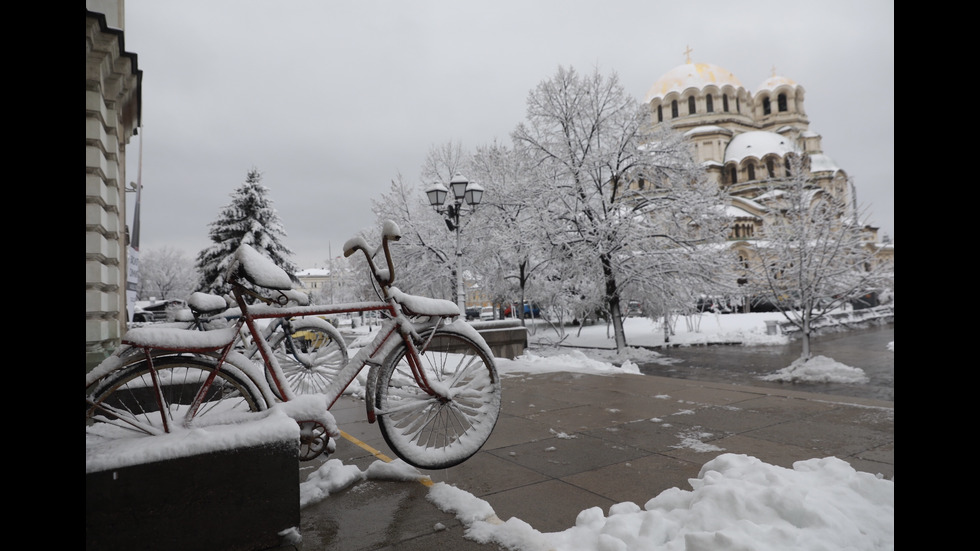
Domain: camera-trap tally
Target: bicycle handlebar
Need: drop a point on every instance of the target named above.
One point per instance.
(389, 232)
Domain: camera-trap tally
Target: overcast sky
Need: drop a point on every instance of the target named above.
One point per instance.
(333, 100)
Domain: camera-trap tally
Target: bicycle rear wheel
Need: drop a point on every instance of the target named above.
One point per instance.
(319, 354)
(436, 432)
(126, 403)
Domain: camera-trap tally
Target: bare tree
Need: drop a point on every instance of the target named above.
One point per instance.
(815, 255)
(591, 145)
(166, 273)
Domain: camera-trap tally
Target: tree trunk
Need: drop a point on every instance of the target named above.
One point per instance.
(805, 354)
(612, 295)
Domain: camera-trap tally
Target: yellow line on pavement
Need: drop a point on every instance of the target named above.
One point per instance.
(426, 481)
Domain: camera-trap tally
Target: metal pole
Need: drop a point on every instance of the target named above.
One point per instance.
(460, 295)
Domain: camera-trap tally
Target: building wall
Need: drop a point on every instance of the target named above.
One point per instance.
(112, 98)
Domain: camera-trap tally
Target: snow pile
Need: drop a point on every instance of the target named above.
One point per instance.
(819, 369)
(110, 447)
(737, 502)
(568, 360)
(334, 476)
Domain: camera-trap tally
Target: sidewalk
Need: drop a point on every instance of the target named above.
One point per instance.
(575, 441)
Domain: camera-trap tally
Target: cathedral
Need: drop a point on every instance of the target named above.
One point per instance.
(745, 139)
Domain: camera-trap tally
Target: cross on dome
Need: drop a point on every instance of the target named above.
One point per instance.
(687, 53)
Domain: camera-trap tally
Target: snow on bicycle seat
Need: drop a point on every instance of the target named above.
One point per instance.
(206, 303)
(424, 306)
(177, 338)
(260, 270)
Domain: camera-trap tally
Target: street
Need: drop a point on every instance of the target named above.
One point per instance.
(866, 349)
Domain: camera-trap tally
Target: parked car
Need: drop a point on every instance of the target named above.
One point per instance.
(530, 310)
(146, 311)
(634, 308)
(473, 313)
(486, 313)
(716, 304)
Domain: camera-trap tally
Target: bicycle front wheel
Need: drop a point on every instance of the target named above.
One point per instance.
(128, 403)
(436, 432)
(319, 353)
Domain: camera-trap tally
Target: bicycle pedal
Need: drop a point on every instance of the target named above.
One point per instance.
(314, 440)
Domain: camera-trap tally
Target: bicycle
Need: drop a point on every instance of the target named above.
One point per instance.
(432, 385)
(310, 350)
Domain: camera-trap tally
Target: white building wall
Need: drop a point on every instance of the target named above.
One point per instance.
(111, 115)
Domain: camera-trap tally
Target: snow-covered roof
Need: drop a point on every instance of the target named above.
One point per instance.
(774, 82)
(749, 202)
(707, 129)
(313, 272)
(733, 211)
(821, 163)
(770, 195)
(757, 144)
(691, 75)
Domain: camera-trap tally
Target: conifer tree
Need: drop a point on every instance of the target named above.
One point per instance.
(249, 218)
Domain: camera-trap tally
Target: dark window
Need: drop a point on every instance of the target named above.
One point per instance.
(724, 102)
(766, 108)
(660, 113)
(734, 175)
(751, 172)
(709, 103)
(673, 109)
(771, 168)
(782, 102)
(690, 105)
(788, 171)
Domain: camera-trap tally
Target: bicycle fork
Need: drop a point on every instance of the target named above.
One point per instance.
(414, 361)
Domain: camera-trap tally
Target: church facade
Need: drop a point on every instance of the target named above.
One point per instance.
(747, 140)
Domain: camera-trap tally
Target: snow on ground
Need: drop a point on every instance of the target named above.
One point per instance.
(736, 502)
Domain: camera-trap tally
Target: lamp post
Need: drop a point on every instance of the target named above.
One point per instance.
(464, 192)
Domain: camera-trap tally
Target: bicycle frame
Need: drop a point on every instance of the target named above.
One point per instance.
(397, 328)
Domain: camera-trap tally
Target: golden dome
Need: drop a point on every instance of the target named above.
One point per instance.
(691, 75)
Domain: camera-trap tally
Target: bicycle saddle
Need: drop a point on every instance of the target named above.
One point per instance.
(260, 270)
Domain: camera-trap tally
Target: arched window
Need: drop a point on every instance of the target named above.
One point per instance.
(789, 172)
(709, 103)
(751, 172)
(690, 105)
(660, 113)
(673, 109)
(724, 102)
(738, 105)
(770, 166)
(782, 102)
(734, 175)
(766, 107)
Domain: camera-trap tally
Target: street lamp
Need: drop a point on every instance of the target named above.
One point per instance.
(464, 193)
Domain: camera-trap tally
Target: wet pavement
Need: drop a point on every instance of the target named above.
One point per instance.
(862, 348)
(566, 442)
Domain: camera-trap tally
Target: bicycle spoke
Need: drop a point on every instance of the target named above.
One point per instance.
(439, 431)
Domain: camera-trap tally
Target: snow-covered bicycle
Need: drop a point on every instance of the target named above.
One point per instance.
(432, 384)
(310, 350)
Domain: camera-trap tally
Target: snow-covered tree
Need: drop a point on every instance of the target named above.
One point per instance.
(618, 201)
(815, 255)
(511, 253)
(250, 218)
(423, 257)
(166, 273)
